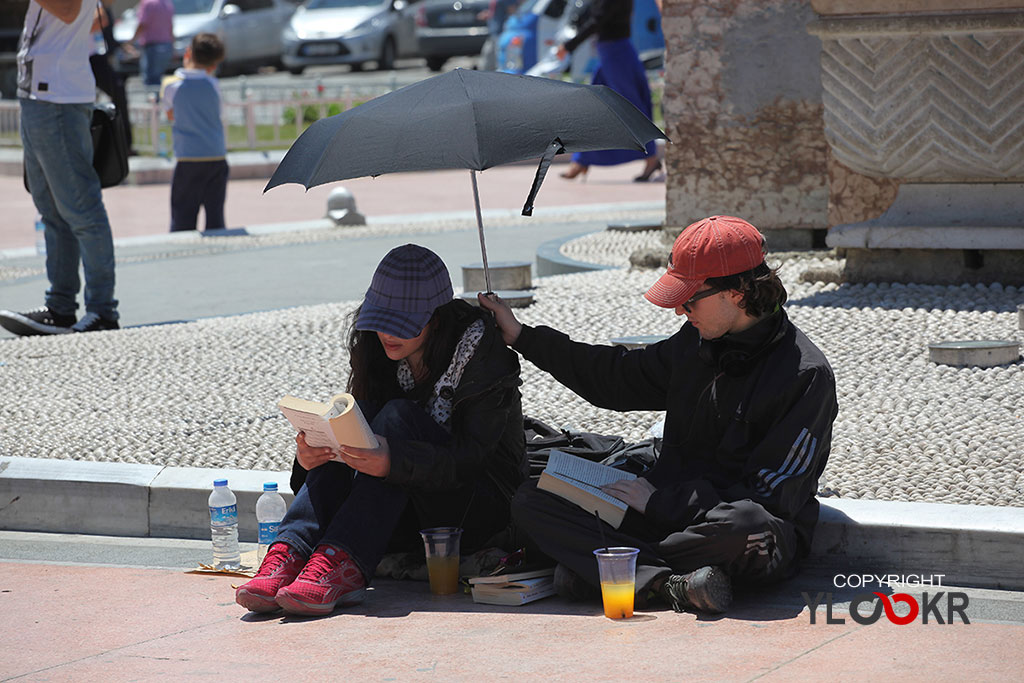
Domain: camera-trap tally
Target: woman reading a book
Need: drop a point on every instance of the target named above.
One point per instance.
(440, 390)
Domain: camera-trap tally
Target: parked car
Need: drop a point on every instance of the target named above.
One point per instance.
(450, 28)
(250, 29)
(539, 25)
(350, 32)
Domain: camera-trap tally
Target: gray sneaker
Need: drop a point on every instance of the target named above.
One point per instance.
(707, 589)
(93, 322)
(35, 322)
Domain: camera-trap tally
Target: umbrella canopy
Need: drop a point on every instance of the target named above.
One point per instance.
(465, 119)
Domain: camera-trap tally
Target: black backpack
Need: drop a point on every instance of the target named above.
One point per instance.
(610, 450)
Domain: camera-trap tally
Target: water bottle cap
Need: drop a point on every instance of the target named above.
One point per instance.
(220, 482)
(270, 486)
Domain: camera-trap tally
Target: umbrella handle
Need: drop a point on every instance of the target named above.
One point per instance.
(480, 231)
(542, 170)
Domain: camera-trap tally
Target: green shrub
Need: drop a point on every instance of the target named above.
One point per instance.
(310, 113)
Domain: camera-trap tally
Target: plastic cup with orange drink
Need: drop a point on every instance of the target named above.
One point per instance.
(617, 568)
(442, 549)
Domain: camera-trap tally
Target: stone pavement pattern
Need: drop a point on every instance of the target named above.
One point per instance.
(203, 394)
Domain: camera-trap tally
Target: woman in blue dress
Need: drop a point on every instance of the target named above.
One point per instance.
(620, 69)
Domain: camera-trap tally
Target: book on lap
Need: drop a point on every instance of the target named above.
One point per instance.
(579, 481)
(334, 424)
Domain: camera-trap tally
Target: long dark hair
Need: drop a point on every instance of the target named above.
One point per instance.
(373, 375)
(761, 288)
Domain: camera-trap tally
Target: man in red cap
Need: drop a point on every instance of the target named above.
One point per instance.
(749, 403)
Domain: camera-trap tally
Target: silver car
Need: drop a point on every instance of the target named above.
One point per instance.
(250, 29)
(350, 32)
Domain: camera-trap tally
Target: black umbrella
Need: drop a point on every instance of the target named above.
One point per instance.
(465, 119)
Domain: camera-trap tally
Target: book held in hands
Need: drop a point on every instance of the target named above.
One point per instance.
(579, 480)
(334, 424)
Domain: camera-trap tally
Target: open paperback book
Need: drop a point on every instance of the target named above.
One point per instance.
(329, 425)
(579, 480)
(513, 589)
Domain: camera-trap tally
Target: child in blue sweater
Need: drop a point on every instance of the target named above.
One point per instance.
(191, 99)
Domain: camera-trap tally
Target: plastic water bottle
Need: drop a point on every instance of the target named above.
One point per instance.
(270, 509)
(224, 526)
(99, 46)
(40, 236)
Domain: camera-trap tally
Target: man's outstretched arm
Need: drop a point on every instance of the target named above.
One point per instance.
(605, 376)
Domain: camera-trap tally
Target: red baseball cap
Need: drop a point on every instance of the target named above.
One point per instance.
(713, 247)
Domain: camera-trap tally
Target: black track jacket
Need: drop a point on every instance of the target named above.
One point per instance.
(749, 416)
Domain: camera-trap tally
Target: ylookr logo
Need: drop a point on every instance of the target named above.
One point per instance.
(930, 606)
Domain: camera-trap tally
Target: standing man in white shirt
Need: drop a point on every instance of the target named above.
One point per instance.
(56, 90)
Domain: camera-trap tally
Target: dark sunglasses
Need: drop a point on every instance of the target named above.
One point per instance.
(697, 297)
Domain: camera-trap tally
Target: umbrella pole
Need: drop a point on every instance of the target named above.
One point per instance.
(480, 230)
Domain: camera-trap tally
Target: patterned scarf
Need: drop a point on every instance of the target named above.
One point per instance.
(439, 404)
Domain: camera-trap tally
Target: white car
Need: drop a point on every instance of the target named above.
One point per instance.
(350, 32)
(250, 29)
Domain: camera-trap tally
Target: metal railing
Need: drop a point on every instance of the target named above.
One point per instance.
(248, 124)
(254, 117)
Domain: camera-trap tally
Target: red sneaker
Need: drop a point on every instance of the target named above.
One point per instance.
(281, 565)
(330, 579)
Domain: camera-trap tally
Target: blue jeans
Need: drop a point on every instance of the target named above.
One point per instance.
(66, 191)
(366, 516)
(153, 61)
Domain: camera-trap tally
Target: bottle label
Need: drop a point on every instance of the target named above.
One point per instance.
(268, 532)
(224, 516)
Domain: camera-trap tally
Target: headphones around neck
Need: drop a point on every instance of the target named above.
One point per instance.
(732, 361)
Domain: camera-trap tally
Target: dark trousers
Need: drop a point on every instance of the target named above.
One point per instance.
(743, 538)
(195, 184)
(366, 516)
(112, 83)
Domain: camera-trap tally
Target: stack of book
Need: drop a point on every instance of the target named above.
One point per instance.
(513, 589)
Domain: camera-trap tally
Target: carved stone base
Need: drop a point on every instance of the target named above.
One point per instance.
(940, 233)
(935, 266)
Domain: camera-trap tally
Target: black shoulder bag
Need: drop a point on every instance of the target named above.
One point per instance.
(109, 144)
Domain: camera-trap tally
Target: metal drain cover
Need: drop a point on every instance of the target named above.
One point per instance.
(983, 353)
(639, 341)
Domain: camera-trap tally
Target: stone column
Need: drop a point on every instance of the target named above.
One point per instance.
(926, 96)
(742, 107)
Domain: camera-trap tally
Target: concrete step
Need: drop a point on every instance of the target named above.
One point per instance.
(969, 545)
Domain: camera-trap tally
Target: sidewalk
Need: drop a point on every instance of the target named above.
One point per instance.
(101, 623)
(144, 210)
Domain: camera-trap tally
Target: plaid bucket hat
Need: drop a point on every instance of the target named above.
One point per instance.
(716, 246)
(409, 283)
